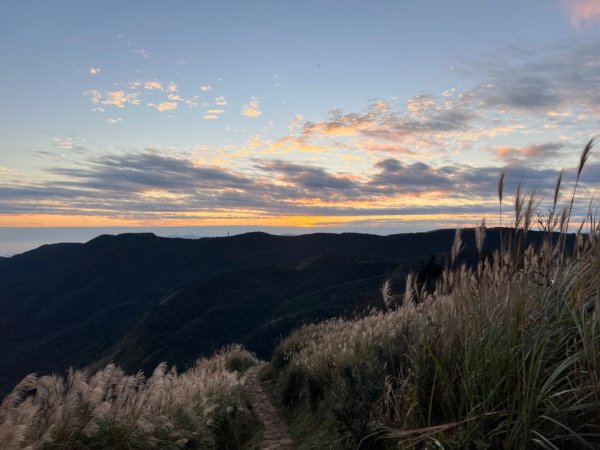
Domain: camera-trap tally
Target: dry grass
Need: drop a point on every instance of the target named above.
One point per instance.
(110, 409)
(503, 354)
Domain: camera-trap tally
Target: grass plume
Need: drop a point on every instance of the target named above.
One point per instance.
(502, 354)
(203, 407)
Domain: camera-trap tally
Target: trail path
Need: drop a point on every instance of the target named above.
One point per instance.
(276, 435)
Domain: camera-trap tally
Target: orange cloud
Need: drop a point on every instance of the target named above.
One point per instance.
(296, 122)
(420, 103)
(213, 114)
(113, 98)
(340, 125)
(252, 109)
(504, 151)
(289, 143)
(153, 85)
(165, 106)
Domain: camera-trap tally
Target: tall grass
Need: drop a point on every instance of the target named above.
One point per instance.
(503, 354)
(204, 407)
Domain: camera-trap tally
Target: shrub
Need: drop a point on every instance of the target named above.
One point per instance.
(238, 359)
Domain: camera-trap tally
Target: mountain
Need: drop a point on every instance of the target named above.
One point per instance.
(139, 299)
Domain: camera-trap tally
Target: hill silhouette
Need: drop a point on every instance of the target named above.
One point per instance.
(139, 299)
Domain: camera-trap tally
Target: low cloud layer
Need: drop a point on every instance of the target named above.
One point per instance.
(150, 186)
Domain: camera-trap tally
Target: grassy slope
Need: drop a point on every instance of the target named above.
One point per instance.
(503, 353)
(501, 357)
(205, 407)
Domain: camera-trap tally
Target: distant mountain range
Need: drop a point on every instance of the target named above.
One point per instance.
(138, 299)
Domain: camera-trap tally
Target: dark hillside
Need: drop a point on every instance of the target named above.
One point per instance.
(140, 299)
(253, 306)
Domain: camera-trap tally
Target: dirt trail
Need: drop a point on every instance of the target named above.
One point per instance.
(276, 435)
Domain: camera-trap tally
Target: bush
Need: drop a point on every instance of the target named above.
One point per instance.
(239, 360)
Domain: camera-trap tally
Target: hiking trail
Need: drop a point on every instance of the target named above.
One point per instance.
(276, 435)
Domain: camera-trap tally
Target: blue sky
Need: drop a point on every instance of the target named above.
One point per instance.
(327, 114)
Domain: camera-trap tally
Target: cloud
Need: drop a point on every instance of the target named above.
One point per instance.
(139, 171)
(394, 177)
(205, 88)
(111, 121)
(533, 151)
(420, 103)
(520, 90)
(95, 70)
(192, 102)
(213, 114)
(562, 76)
(379, 122)
(164, 106)
(582, 11)
(150, 186)
(69, 143)
(310, 180)
(395, 156)
(113, 98)
(63, 143)
(252, 108)
(383, 147)
(149, 85)
(140, 52)
(415, 130)
(153, 85)
(289, 144)
(296, 123)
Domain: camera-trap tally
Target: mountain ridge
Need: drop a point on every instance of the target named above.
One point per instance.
(74, 304)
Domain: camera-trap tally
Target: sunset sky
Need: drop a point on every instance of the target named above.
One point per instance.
(362, 115)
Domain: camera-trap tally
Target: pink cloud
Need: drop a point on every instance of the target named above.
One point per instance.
(582, 11)
(541, 151)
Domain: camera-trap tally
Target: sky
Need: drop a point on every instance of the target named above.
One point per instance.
(285, 115)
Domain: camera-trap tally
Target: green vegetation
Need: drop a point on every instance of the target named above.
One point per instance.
(503, 353)
(205, 407)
